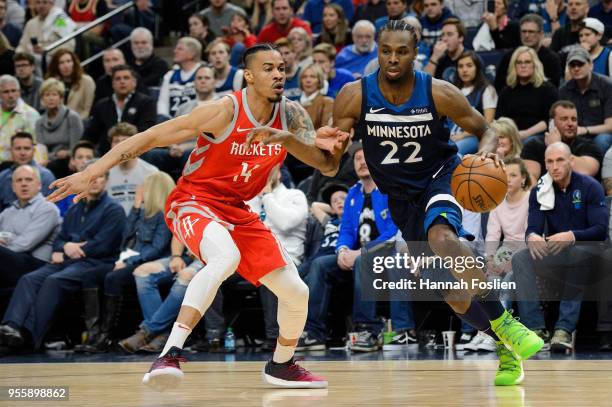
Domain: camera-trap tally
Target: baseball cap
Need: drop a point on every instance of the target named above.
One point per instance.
(594, 24)
(330, 189)
(354, 147)
(579, 54)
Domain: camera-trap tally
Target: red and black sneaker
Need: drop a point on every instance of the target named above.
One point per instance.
(291, 375)
(165, 372)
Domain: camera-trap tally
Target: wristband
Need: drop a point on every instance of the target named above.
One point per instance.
(176, 255)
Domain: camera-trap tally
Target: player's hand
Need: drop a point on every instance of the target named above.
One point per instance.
(77, 184)
(559, 241)
(330, 139)
(537, 246)
(266, 135)
(176, 264)
(496, 159)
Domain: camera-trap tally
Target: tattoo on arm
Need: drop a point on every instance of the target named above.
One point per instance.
(128, 155)
(299, 123)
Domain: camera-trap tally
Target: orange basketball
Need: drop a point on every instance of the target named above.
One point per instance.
(479, 186)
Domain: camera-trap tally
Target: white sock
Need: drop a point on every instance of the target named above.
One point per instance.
(283, 353)
(178, 336)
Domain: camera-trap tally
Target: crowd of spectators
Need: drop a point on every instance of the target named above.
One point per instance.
(539, 72)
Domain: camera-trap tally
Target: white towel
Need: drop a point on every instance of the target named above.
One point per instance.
(546, 193)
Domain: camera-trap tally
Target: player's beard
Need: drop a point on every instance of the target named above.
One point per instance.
(275, 98)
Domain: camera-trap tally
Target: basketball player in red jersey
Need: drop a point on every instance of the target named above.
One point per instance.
(207, 212)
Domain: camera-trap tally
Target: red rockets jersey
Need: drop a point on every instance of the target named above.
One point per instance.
(221, 168)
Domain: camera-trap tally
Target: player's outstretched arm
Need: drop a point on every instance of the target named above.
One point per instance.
(347, 109)
(211, 118)
(452, 103)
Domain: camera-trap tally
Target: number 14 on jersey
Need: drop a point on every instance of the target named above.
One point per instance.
(246, 172)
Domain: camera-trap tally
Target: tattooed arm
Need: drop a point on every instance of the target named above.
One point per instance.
(299, 140)
(212, 118)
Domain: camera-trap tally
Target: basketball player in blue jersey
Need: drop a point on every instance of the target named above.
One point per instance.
(398, 115)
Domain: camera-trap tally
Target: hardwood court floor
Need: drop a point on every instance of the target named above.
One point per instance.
(368, 383)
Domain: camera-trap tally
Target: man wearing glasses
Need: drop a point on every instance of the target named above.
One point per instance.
(532, 34)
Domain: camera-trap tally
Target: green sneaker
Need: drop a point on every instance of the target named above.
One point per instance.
(521, 341)
(510, 370)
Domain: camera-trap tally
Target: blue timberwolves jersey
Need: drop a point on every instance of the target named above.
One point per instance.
(405, 145)
(228, 87)
(181, 91)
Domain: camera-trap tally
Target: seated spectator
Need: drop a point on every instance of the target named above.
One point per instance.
(528, 97)
(370, 10)
(592, 95)
(219, 15)
(591, 35)
(285, 211)
(205, 90)
(125, 105)
(11, 31)
(482, 96)
(80, 87)
(586, 157)
(153, 331)
(82, 153)
(239, 38)
(177, 85)
(50, 24)
(434, 14)
(314, 12)
(151, 238)
(532, 35)
(567, 35)
(27, 228)
(149, 67)
(396, 10)
(319, 107)
(354, 58)
(22, 153)
(199, 29)
(302, 46)
(508, 221)
(364, 224)
(228, 78)
(85, 250)
(16, 115)
(83, 12)
(261, 14)
(292, 70)
(59, 128)
(282, 22)
(508, 139)
(567, 218)
(328, 216)
(125, 178)
(104, 84)
(335, 28)
(324, 55)
(29, 82)
(447, 50)
(505, 32)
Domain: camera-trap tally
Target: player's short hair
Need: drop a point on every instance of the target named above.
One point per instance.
(327, 49)
(566, 104)
(457, 23)
(250, 52)
(400, 25)
(122, 129)
(533, 18)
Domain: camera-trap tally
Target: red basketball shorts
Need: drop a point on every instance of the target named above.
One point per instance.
(260, 251)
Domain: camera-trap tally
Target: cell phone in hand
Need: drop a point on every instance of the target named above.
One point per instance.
(34, 41)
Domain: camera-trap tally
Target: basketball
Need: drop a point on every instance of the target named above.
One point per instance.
(479, 186)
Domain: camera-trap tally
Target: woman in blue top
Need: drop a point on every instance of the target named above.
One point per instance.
(482, 96)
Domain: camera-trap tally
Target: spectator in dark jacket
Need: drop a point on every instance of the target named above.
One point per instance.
(569, 208)
(125, 105)
(147, 228)
(149, 67)
(577, 10)
(84, 251)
